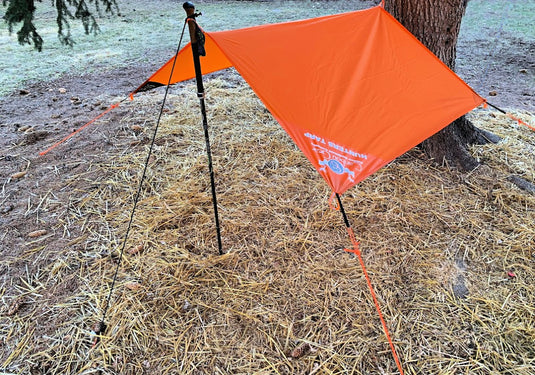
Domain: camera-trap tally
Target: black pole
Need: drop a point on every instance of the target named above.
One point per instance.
(346, 221)
(196, 46)
(499, 109)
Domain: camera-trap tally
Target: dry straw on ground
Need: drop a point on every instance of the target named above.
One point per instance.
(451, 256)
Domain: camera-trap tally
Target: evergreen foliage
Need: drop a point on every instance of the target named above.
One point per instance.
(23, 11)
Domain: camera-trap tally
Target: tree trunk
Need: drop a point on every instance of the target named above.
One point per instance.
(436, 23)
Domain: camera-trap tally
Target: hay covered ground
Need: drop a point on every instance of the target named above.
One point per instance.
(451, 255)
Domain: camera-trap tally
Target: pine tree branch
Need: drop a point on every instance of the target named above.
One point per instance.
(23, 11)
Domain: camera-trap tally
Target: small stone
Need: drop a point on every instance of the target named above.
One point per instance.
(493, 93)
(136, 129)
(99, 328)
(301, 351)
(133, 286)
(136, 249)
(7, 209)
(23, 92)
(62, 90)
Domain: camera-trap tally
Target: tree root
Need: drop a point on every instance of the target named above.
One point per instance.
(484, 136)
(522, 184)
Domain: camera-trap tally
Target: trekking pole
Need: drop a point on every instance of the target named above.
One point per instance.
(197, 47)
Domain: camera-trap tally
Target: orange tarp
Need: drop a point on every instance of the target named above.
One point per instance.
(354, 90)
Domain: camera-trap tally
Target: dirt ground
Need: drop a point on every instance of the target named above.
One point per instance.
(35, 117)
(30, 121)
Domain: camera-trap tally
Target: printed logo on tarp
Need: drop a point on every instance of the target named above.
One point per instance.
(340, 160)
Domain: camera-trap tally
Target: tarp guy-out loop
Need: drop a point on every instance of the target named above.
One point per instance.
(333, 204)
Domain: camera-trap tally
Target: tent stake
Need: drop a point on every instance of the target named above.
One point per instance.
(356, 251)
(196, 45)
(346, 221)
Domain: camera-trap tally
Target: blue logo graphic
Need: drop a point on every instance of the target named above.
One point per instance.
(336, 167)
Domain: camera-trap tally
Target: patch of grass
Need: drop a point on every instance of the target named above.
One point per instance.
(119, 44)
(494, 50)
(144, 31)
(497, 18)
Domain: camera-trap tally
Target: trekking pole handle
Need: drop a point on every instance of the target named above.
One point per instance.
(189, 7)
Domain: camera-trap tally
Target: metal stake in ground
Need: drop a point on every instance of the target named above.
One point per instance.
(197, 46)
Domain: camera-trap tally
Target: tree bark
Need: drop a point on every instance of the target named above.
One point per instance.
(436, 23)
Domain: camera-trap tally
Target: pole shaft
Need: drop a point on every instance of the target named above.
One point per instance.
(200, 94)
